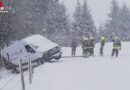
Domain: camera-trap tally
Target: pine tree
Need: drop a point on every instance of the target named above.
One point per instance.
(87, 25)
(29, 17)
(83, 23)
(112, 24)
(5, 25)
(124, 22)
(26, 17)
(76, 25)
(56, 25)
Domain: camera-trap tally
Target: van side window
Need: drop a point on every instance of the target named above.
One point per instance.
(29, 49)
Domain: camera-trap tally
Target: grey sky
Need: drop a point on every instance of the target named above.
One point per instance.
(99, 8)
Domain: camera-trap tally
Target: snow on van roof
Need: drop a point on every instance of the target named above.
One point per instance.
(41, 42)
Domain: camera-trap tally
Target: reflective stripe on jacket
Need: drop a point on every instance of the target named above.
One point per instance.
(116, 47)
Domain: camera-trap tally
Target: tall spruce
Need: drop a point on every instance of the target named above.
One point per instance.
(124, 22)
(112, 24)
(83, 24)
(26, 17)
(56, 25)
(76, 25)
(87, 26)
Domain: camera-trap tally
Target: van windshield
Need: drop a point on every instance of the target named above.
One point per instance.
(29, 49)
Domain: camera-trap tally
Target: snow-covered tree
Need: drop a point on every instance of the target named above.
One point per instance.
(118, 23)
(29, 14)
(87, 25)
(56, 25)
(124, 22)
(101, 30)
(83, 23)
(112, 24)
(76, 25)
(5, 24)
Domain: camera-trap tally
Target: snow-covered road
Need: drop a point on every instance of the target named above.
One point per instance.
(83, 74)
(94, 73)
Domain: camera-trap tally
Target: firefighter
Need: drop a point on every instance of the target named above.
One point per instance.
(86, 47)
(102, 45)
(73, 46)
(92, 45)
(116, 47)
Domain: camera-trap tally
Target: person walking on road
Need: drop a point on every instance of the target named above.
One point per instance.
(73, 46)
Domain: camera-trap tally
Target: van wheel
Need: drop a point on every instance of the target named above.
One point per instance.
(42, 61)
(47, 59)
(14, 70)
(57, 58)
(38, 62)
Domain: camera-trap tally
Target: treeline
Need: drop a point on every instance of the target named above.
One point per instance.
(49, 18)
(27, 17)
(118, 22)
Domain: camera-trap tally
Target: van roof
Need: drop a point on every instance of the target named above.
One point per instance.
(41, 42)
(19, 43)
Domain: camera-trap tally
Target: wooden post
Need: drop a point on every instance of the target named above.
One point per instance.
(22, 77)
(0, 60)
(30, 71)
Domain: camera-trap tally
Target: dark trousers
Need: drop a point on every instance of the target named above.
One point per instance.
(83, 51)
(73, 51)
(92, 51)
(86, 52)
(115, 52)
(101, 51)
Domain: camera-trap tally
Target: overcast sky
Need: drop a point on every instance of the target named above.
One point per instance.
(99, 8)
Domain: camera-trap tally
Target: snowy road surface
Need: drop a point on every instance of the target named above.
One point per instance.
(94, 73)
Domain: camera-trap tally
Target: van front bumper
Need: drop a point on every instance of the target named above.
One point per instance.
(56, 56)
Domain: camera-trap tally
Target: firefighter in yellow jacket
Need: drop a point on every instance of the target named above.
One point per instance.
(102, 45)
(86, 47)
(116, 47)
(92, 45)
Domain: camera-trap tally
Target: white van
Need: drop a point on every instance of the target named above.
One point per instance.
(21, 49)
(37, 47)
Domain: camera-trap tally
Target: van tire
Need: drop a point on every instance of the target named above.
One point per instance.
(40, 61)
(47, 59)
(14, 70)
(57, 58)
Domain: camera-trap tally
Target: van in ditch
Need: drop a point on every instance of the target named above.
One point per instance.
(36, 47)
(12, 54)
